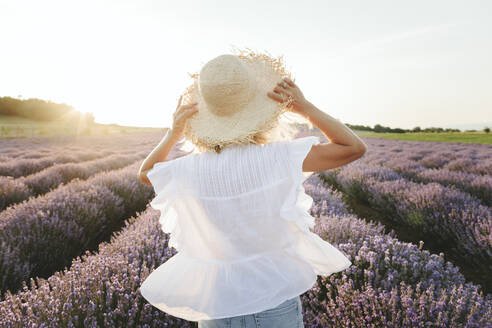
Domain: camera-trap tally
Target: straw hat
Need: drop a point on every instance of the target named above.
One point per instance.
(233, 106)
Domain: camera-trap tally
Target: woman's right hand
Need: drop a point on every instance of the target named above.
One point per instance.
(181, 116)
(285, 89)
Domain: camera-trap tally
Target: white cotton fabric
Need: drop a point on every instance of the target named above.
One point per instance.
(240, 223)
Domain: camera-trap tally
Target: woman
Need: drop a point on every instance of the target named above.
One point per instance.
(237, 212)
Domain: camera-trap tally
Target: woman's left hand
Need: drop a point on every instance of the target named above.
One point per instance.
(181, 115)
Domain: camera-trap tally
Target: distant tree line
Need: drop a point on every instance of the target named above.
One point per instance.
(41, 110)
(381, 128)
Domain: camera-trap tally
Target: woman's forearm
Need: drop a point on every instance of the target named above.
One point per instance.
(160, 152)
(333, 129)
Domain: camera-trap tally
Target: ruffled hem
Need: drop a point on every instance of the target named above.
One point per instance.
(323, 257)
(195, 289)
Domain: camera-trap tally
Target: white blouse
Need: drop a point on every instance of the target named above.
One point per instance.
(240, 223)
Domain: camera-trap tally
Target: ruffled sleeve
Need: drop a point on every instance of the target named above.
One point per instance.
(299, 148)
(298, 202)
(323, 257)
(162, 177)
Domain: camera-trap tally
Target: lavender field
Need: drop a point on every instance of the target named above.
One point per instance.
(78, 236)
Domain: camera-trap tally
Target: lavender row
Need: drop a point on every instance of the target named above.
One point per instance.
(449, 216)
(34, 158)
(21, 167)
(390, 283)
(41, 147)
(99, 290)
(20, 189)
(467, 158)
(326, 200)
(477, 185)
(44, 234)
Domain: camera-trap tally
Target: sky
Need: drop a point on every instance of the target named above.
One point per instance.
(394, 63)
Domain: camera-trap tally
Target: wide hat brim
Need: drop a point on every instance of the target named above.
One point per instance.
(261, 114)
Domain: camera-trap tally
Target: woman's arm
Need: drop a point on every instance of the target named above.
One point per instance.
(345, 146)
(333, 129)
(160, 152)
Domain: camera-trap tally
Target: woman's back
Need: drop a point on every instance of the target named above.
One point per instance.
(240, 223)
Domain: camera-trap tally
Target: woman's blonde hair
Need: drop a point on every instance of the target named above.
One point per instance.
(284, 128)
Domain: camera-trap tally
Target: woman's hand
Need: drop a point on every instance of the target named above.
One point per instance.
(181, 115)
(285, 89)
